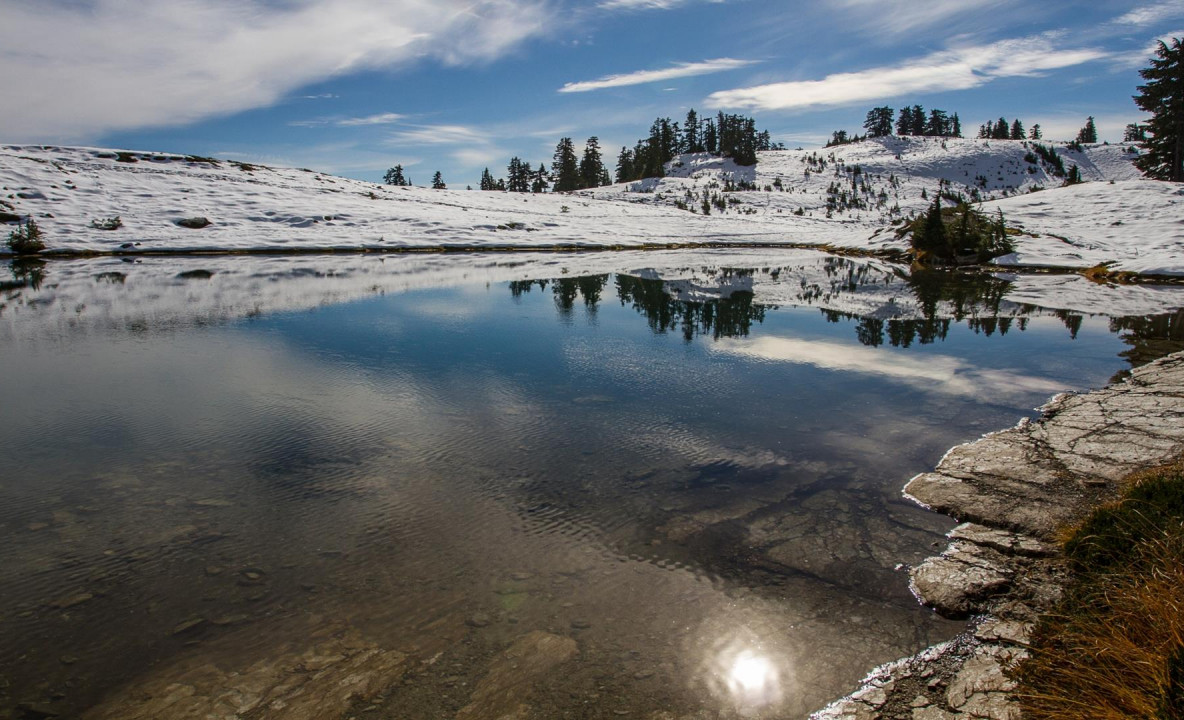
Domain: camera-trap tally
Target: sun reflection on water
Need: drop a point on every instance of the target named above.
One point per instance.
(746, 675)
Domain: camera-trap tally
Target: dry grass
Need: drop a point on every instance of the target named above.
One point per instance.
(1114, 648)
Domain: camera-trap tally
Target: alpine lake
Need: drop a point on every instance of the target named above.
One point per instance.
(648, 485)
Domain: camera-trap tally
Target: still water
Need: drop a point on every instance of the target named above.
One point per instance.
(620, 485)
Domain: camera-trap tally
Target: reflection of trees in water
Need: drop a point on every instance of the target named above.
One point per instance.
(566, 291)
(1150, 337)
(726, 317)
(26, 272)
(843, 276)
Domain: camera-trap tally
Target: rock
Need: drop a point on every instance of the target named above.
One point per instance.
(505, 688)
(956, 582)
(478, 620)
(194, 223)
(581, 624)
(188, 625)
(70, 601)
(981, 674)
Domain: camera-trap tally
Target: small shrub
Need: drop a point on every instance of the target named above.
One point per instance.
(194, 223)
(26, 239)
(126, 157)
(111, 223)
(956, 235)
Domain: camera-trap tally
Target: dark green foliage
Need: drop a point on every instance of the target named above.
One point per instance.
(1089, 133)
(592, 170)
(394, 176)
(111, 223)
(542, 179)
(957, 235)
(1163, 97)
(1135, 133)
(26, 239)
(487, 182)
(1050, 157)
(1074, 176)
(1017, 130)
(126, 157)
(879, 122)
(1035, 133)
(692, 134)
(519, 176)
(438, 182)
(565, 166)
(1109, 539)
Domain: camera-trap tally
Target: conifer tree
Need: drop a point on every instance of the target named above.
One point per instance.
(1002, 130)
(624, 165)
(591, 165)
(1017, 130)
(542, 180)
(711, 137)
(690, 133)
(486, 180)
(1135, 133)
(956, 127)
(565, 167)
(1035, 133)
(917, 126)
(1163, 96)
(1088, 134)
(438, 182)
(394, 176)
(879, 121)
(938, 125)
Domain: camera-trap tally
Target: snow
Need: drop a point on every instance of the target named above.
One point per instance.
(1130, 224)
(130, 295)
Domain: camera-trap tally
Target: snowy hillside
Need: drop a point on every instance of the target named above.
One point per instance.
(850, 196)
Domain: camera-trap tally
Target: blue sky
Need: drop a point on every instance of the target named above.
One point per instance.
(355, 86)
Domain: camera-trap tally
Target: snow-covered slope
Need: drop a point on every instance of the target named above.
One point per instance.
(851, 196)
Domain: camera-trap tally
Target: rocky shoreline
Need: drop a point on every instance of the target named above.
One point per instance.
(1013, 490)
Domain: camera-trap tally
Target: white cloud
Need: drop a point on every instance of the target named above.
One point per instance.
(955, 69)
(1150, 14)
(646, 4)
(900, 16)
(380, 119)
(81, 69)
(945, 374)
(648, 76)
(440, 135)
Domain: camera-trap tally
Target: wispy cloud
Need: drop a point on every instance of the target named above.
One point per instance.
(944, 374)
(1151, 14)
(380, 119)
(646, 4)
(85, 68)
(641, 77)
(440, 135)
(895, 17)
(955, 69)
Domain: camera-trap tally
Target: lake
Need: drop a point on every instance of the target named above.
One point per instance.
(645, 484)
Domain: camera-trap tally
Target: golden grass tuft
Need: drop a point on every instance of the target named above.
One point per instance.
(1114, 647)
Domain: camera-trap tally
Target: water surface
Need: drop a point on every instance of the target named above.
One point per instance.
(690, 465)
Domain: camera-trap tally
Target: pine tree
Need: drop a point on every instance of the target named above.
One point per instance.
(904, 123)
(1135, 133)
(1074, 177)
(918, 122)
(711, 137)
(566, 167)
(938, 125)
(542, 180)
(438, 182)
(1035, 133)
(394, 176)
(624, 165)
(486, 180)
(956, 127)
(591, 165)
(879, 121)
(1017, 130)
(1002, 130)
(690, 133)
(1088, 134)
(1163, 97)
(986, 130)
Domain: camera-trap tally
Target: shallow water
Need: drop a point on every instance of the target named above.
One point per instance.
(690, 467)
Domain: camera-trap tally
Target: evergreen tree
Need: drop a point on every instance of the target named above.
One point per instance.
(1036, 133)
(986, 130)
(904, 123)
(394, 176)
(591, 165)
(438, 182)
(541, 181)
(565, 167)
(1135, 133)
(938, 125)
(1163, 97)
(1017, 130)
(1074, 177)
(625, 165)
(711, 137)
(917, 125)
(879, 121)
(956, 127)
(690, 133)
(487, 180)
(1088, 134)
(1002, 130)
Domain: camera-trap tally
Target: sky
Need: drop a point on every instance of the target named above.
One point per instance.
(353, 87)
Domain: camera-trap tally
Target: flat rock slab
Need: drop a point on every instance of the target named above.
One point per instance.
(1014, 491)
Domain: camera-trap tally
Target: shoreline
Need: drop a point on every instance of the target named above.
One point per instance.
(1013, 490)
